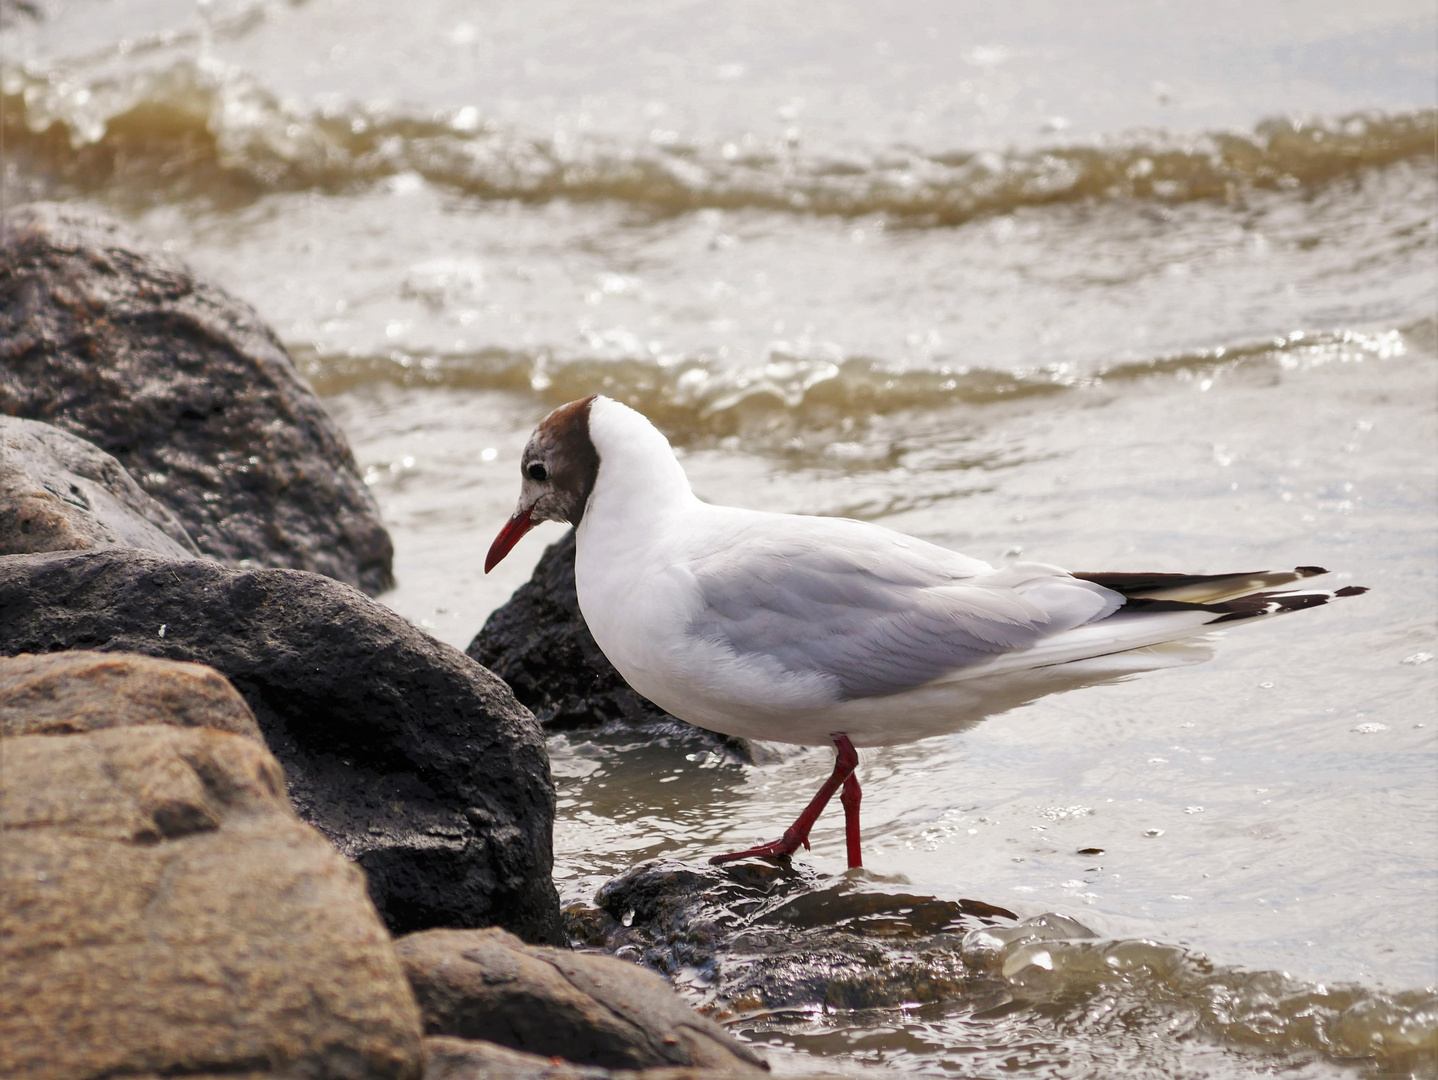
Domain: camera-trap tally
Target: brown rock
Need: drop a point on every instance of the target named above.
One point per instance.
(68, 692)
(61, 493)
(591, 1010)
(165, 912)
(413, 760)
(448, 1058)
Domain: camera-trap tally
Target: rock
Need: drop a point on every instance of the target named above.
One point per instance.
(415, 761)
(590, 1010)
(61, 493)
(62, 693)
(447, 1058)
(165, 912)
(116, 341)
(775, 937)
(538, 643)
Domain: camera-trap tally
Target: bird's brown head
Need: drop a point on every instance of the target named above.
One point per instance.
(557, 472)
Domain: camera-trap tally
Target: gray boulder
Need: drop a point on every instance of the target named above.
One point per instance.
(116, 341)
(416, 762)
(61, 493)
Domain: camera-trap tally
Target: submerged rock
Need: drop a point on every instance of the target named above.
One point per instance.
(448, 1058)
(590, 1010)
(116, 341)
(61, 493)
(779, 937)
(165, 911)
(416, 762)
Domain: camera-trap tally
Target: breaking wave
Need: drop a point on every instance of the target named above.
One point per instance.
(693, 399)
(195, 129)
(1057, 966)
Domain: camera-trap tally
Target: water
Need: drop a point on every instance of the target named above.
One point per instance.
(1127, 286)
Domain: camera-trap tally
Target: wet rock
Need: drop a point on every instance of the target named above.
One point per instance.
(775, 936)
(118, 342)
(590, 1010)
(63, 693)
(61, 493)
(413, 760)
(166, 913)
(447, 1058)
(538, 643)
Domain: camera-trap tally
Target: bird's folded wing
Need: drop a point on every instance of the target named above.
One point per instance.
(874, 615)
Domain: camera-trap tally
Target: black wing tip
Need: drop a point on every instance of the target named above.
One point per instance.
(1276, 603)
(1131, 584)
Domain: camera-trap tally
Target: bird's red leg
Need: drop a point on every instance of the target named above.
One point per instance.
(798, 833)
(850, 800)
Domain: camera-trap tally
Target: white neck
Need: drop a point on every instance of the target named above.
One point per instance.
(639, 477)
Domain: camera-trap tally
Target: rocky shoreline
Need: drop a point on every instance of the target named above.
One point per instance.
(255, 823)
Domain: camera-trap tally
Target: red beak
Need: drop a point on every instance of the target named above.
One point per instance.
(508, 536)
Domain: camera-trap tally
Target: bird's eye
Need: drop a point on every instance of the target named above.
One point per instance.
(536, 471)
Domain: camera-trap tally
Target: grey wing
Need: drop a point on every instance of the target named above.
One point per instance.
(874, 617)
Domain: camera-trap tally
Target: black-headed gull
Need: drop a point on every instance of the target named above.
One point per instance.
(812, 629)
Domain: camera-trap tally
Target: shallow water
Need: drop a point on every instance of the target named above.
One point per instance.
(1141, 287)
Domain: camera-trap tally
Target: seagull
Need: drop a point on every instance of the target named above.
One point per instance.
(808, 630)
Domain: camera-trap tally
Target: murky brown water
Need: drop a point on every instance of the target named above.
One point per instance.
(1143, 286)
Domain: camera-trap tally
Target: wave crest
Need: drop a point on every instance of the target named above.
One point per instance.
(693, 400)
(198, 129)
